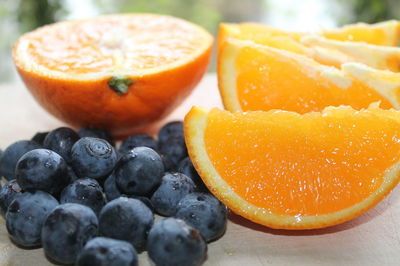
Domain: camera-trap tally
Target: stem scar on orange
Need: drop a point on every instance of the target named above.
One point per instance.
(119, 72)
(296, 171)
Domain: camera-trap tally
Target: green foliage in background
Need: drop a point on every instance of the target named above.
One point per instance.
(370, 11)
(35, 13)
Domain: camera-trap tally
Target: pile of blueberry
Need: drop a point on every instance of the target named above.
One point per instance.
(88, 203)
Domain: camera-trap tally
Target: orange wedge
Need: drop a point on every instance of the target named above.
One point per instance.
(336, 53)
(119, 72)
(386, 33)
(323, 50)
(258, 77)
(291, 171)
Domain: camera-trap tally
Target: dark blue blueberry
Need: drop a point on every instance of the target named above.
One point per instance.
(85, 191)
(175, 149)
(168, 165)
(12, 154)
(94, 132)
(126, 219)
(71, 174)
(174, 186)
(145, 200)
(205, 213)
(42, 169)
(39, 137)
(186, 167)
(26, 215)
(66, 231)
(139, 171)
(61, 141)
(172, 242)
(138, 140)
(110, 188)
(93, 157)
(174, 128)
(102, 251)
(8, 193)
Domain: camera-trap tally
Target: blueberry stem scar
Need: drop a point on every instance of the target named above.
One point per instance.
(120, 84)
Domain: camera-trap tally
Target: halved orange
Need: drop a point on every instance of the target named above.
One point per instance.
(291, 171)
(258, 77)
(119, 72)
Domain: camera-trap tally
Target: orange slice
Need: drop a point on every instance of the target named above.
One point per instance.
(336, 53)
(257, 77)
(119, 72)
(291, 171)
(323, 50)
(385, 33)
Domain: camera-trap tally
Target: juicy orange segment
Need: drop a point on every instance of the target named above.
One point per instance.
(385, 33)
(287, 170)
(255, 77)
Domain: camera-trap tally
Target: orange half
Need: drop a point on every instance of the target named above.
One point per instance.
(119, 72)
(291, 171)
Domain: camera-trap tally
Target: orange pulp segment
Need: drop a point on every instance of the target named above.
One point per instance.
(286, 170)
(256, 77)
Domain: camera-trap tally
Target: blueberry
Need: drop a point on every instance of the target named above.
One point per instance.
(71, 174)
(42, 169)
(172, 242)
(26, 215)
(168, 165)
(8, 193)
(174, 186)
(85, 191)
(205, 213)
(174, 128)
(61, 141)
(110, 188)
(39, 137)
(12, 154)
(102, 251)
(175, 149)
(138, 140)
(93, 157)
(139, 171)
(66, 231)
(186, 167)
(126, 219)
(94, 132)
(145, 200)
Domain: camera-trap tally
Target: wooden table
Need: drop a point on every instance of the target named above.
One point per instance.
(372, 239)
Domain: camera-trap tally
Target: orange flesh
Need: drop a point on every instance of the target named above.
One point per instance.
(302, 165)
(114, 43)
(283, 82)
(369, 35)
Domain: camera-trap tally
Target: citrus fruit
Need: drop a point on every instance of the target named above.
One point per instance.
(118, 72)
(258, 77)
(336, 53)
(323, 50)
(385, 33)
(292, 171)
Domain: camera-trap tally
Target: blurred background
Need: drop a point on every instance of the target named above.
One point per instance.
(19, 16)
